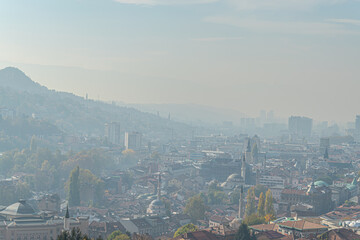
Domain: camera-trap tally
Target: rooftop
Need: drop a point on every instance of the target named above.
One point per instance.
(302, 225)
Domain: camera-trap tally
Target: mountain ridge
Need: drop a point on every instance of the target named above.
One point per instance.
(74, 114)
(14, 78)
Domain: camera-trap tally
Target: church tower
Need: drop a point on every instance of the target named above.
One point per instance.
(248, 153)
(67, 220)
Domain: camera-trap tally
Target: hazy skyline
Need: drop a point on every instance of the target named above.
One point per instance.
(293, 56)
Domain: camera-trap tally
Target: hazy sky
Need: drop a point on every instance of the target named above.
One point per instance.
(292, 56)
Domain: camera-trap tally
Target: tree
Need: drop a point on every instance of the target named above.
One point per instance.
(216, 197)
(260, 189)
(269, 207)
(136, 236)
(195, 208)
(74, 234)
(250, 202)
(261, 206)
(185, 229)
(269, 217)
(91, 187)
(74, 187)
(243, 233)
(214, 187)
(122, 237)
(33, 144)
(118, 235)
(254, 219)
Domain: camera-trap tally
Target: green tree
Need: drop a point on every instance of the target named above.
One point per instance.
(260, 189)
(136, 236)
(254, 219)
(122, 237)
(118, 235)
(195, 208)
(74, 234)
(243, 233)
(185, 229)
(214, 187)
(269, 206)
(91, 187)
(261, 206)
(22, 191)
(216, 197)
(250, 202)
(74, 187)
(33, 144)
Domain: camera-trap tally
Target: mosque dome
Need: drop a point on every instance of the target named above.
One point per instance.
(234, 178)
(157, 203)
(232, 182)
(20, 208)
(321, 184)
(156, 207)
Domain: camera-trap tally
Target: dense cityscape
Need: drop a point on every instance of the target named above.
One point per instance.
(179, 120)
(131, 175)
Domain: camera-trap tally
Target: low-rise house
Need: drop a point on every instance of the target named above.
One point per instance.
(104, 229)
(154, 226)
(301, 229)
(340, 234)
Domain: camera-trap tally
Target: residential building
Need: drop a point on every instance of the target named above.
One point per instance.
(300, 126)
(112, 132)
(133, 140)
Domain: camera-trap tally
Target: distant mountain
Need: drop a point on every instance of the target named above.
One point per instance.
(191, 113)
(75, 115)
(14, 78)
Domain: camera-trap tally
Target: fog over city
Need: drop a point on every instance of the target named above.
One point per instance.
(179, 120)
(293, 57)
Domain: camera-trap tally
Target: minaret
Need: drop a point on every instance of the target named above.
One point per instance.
(67, 219)
(159, 188)
(241, 202)
(243, 167)
(358, 191)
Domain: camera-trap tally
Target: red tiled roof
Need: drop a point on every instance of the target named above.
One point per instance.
(264, 227)
(200, 235)
(293, 191)
(342, 234)
(271, 235)
(302, 225)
